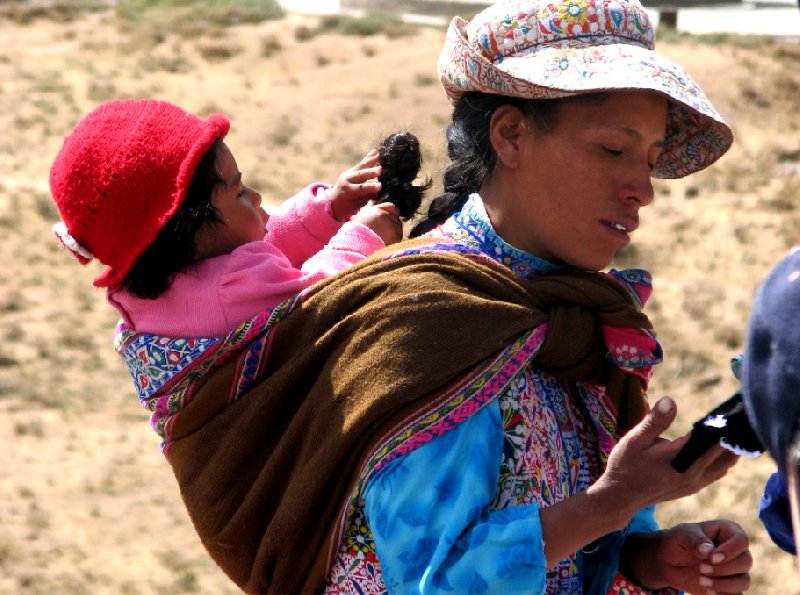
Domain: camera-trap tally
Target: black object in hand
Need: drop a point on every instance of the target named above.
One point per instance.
(727, 425)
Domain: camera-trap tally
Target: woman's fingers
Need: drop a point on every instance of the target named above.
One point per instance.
(727, 568)
(713, 464)
(738, 566)
(730, 539)
(655, 423)
(707, 557)
(711, 467)
(642, 461)
(737, 583)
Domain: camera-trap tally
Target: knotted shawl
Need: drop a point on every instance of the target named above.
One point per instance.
(266, 475)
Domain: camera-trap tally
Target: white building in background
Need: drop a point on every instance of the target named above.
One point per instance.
(311, 6)
(746, 17)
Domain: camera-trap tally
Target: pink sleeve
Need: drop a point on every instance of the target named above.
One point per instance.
(300, 226)
(352, 244)
(259, 276)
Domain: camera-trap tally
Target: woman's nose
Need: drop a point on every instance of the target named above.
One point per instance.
(640, 189)
(647, 194)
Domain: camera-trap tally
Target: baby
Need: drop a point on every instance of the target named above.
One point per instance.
(155, 194)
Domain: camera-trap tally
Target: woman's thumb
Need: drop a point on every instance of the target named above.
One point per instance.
(693, 539)
(656, 422)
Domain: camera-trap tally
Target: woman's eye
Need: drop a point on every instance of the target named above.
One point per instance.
(614, 152)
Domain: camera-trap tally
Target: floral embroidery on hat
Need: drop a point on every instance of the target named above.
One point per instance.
(541, 49)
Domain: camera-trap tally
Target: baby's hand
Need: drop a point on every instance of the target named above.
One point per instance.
(383, 219)
(355, 187)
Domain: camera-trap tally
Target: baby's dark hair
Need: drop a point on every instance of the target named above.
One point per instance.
(400, 160)
(472, 158)
(175, 247)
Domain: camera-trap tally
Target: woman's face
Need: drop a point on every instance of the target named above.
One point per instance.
(239, 208)
(572, 194)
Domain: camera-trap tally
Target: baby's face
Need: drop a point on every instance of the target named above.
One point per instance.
(239, 208)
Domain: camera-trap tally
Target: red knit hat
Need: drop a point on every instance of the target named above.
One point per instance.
(121, 174)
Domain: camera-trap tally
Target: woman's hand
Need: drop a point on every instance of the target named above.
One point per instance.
(383, 219)
(355, 187)
(639, 470)
(638, 474)
(707, 557)
(701, 558)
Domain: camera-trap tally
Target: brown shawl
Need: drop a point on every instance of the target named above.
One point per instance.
(265, 478)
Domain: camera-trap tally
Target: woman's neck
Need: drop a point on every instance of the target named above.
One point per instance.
(473, 224)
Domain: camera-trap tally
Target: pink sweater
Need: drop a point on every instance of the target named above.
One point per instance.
(303, 244)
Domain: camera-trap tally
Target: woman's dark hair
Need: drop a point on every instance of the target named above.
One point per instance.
(174, 247)
(472, 158)
(400, 160)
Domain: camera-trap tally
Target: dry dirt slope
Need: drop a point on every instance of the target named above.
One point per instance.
(86, 503)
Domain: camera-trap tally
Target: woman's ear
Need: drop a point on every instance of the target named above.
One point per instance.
(506, 128)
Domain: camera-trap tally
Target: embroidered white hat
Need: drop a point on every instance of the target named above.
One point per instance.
(545, 49)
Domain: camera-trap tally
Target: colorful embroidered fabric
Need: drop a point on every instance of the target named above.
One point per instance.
(433, 525)
(164, 369)
(635, 351)
(542, 49)
(539, 419)
(354, 564)
(623, 586)
(513, 28)
(539, 416)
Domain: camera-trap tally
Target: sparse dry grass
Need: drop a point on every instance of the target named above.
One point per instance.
(87, 505)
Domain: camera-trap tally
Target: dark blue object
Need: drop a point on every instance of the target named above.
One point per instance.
(771, 367)
(775, 513)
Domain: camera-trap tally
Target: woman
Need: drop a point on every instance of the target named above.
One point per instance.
(544, 185)
(467, 412)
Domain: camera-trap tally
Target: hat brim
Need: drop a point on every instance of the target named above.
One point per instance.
(696, 135)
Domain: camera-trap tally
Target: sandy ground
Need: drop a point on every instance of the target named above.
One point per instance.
(87, 504)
